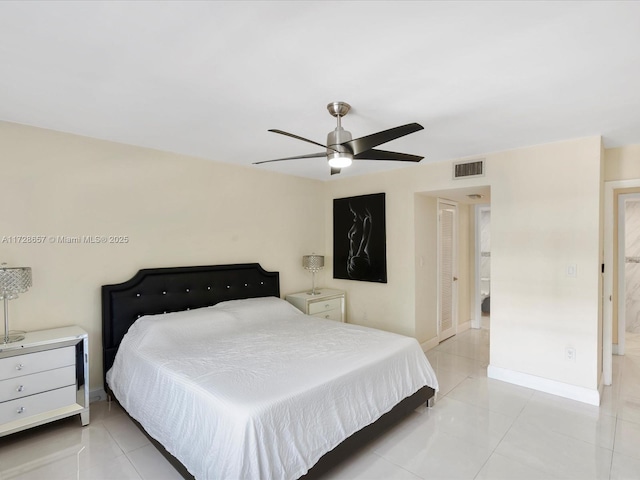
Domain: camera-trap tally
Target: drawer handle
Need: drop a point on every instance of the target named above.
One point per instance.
(20, 388)
(20, 366)
(20, 410)
(327, 305)
(327, 316)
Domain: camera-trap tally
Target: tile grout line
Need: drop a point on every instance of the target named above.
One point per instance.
(493, 451)
(613, 447)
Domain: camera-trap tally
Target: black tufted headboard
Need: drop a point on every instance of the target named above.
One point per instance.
(161, 290)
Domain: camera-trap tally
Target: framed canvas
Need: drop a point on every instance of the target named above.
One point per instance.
(359, 238)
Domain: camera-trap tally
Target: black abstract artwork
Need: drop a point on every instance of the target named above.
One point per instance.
(359, 238)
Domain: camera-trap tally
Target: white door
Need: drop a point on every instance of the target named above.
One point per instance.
(447, 269)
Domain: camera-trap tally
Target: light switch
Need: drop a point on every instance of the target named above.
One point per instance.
(572, 270)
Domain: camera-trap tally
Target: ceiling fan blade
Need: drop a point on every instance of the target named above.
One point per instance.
(362, 144)
(300, 138)
(374, 154)
(334, 171)
(311, 155)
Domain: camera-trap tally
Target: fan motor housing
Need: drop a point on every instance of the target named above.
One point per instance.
(336, 138)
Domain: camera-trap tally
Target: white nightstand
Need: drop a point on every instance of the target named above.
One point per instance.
(329, 304)
(43, 378)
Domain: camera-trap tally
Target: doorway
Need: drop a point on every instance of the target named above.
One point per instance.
(628, 271)
(482, 280)
(611, 290)
(428, 260)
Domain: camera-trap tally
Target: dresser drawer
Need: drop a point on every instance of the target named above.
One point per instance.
(37, 383)
(37, 362)
(335, 314)
(33, 405)
(324, 305)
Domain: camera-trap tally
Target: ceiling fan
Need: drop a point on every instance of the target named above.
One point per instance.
(341, 150)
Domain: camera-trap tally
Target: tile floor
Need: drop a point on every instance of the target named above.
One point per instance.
(479, 429)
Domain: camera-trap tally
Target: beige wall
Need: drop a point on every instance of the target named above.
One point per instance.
(407, 303)
(175, 210)
(622, 163)
(545, 209)
(426, 266)
(545, 203)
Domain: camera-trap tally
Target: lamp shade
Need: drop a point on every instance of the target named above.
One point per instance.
(313, 262)
(14, 280)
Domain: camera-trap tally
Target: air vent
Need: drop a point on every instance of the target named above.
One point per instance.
(468, 169)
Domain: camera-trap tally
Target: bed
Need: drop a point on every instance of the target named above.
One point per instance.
(261, 390)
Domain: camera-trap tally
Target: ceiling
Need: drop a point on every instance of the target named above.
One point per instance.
(209, 79)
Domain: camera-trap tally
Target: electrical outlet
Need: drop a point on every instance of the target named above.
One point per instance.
(570, 354)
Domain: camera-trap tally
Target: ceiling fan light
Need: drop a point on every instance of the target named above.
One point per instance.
(340, 160)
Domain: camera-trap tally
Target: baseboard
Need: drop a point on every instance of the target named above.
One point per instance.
(573, 392)
(429, 344)
(463, 326)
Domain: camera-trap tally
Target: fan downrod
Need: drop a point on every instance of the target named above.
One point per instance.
(338, 109)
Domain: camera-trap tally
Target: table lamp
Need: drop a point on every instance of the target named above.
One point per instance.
(13, 280)
(314, 263)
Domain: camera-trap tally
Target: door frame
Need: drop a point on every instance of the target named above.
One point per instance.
(454, 267)
(622, 281)
(476, 321)
(610, 190)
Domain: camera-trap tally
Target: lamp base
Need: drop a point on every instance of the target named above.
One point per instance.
(315, 292)
(12, 337)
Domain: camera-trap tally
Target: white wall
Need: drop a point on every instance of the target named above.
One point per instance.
(175, 210)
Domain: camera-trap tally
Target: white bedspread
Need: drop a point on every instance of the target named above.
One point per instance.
(254, 389)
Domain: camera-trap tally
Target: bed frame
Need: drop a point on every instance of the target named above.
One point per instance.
(163, 290)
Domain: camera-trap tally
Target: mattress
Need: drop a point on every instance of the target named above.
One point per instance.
(255, 389)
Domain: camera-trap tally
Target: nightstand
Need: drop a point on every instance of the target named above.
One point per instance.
(43, 378)
(329, 304)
